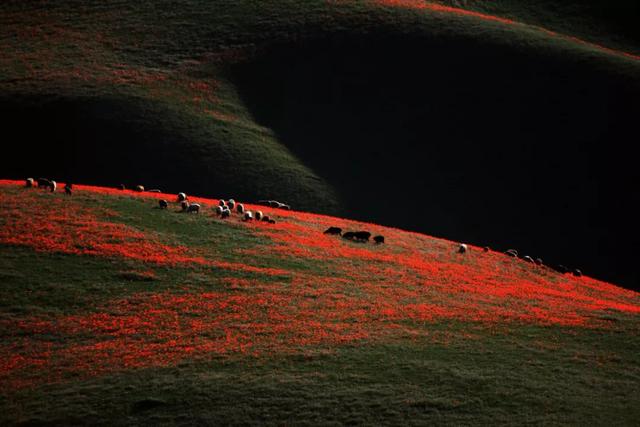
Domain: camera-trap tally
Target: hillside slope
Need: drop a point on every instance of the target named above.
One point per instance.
(115, 312)
(269, 100)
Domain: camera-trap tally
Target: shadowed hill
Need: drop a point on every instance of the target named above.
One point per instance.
(466, 139)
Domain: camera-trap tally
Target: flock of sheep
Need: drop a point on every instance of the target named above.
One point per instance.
(48, 184)
(464, 248)
(356, 236)
(225, 209)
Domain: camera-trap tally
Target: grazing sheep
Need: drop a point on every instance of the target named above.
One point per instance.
(378, 239)
(232, 204)
(272, 221)
(193, 208)
(528, 259)
(240, 208)
(163, 204)
(44, 183)
(122, 187)
(53, 186)
(486, 248)
(225, 213)
(184, 205)
(333, 230)
(577, 272)
(219, 210)
(539, 261)
(248, 216)
(562, 269)
(258, 215)
(512, 253)
(266, 218)
(349, 235)
(30, 183)
(155, 190)
(463, 248)
(222, 203)
(139, 188)
(181, 197)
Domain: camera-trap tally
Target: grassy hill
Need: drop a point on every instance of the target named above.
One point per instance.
(115, 312)
(505, 123)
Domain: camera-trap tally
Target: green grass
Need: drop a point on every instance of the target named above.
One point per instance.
(454, 372)
(159, 93)
(506, 378)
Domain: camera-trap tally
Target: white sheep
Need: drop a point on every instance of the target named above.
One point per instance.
(30, 183)
(463, 248)
(222, 203)
(163, 204)
(53, 186)
(182, 197)
(240, 208)
(193, 208)
(184, 205)
(248, 216)
(140, 188)
(225, 213)
(219, 210)
(258, 215)
(231, 203)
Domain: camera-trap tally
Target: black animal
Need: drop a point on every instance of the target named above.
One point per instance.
(349, 235)
(266, 218)
(333, 231)
(67, 190)
(363, 235)
(272, 221)
(163, 204)
(378, 239)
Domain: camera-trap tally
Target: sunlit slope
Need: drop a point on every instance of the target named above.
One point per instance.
(116, 307)
(150, 93)
(599, 21)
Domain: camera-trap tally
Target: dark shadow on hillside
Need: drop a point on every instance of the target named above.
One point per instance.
(477, 143)
(97, 141)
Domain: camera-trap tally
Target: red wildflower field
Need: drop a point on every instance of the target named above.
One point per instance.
(307, 290)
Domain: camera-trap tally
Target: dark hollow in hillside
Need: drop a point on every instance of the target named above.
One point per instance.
(100, 141)
(464, 139)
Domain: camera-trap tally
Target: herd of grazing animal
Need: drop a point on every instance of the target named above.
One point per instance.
(513, 253)
(226, 208)
(47, 184)
(355, 236)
